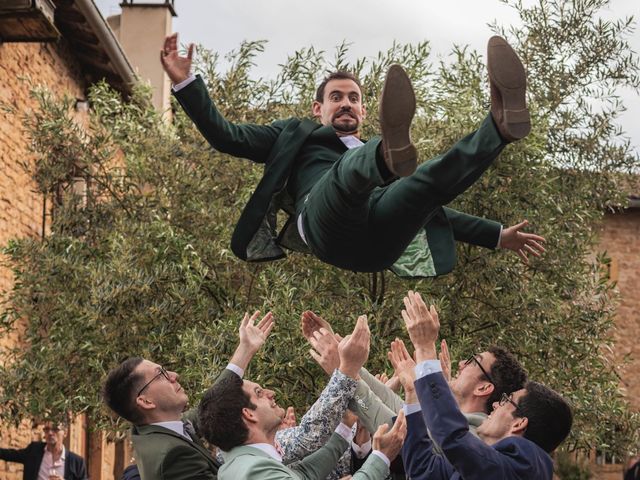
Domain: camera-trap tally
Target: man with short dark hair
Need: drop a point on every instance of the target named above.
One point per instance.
(515, 440)
(345, 200)
(50, 459)
(242, 418)
(165, 442)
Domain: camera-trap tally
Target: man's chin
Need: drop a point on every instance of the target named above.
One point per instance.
(346, 128)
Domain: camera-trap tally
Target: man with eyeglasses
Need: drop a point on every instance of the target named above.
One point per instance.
(148, 395)
(48, 460)
(514, 441)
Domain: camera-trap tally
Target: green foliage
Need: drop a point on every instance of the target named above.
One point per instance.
(567, 468)
(138, 262)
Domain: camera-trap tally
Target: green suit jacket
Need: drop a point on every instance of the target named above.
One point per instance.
(245, 462)
(162, 454)
(276, 146)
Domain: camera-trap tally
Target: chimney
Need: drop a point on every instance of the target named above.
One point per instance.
(141, 30)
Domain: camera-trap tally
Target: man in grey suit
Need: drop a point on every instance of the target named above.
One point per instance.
(242, 418)
(166, 444)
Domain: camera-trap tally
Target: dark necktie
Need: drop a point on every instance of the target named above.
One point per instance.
(189, 430)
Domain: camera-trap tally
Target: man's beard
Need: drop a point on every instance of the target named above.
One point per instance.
(345, 125)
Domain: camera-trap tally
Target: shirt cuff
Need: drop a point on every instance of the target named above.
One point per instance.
(344, 432)
(187, 81)
(499, 237)
(410, 408)
(236, 369)
(384, 458)
(361, 451)
(427, 367)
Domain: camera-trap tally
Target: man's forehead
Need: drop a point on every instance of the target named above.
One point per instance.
(486, 358)
(342, 85)
(147, 366)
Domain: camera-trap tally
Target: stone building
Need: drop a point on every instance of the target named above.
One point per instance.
(65, 46)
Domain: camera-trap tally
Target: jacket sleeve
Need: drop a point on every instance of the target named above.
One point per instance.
(13, 455)
(370, 409)
(384, 393)
(79, 468)
(474, 230)
(420, 460)
(318, 424)
(240, 140)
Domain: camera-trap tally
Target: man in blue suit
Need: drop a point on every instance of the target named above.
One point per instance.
(515, 440)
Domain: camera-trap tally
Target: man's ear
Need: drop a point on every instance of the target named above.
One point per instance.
(144, 403)
(364, 111)
(519, 426)
(315, 108)
(484, 389)
(249, 415)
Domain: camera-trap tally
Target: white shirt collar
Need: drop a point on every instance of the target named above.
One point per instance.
(351, 141)
(175, 426)
(268, 449)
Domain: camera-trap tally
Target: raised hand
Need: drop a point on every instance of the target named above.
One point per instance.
(289, 419)
(403, 365)
(325, 350)
(252, 337)
(178, 68)
(422, 324)
(311, 322)
(354, 349)
(390, 442)
(522, 243)
(445, 360)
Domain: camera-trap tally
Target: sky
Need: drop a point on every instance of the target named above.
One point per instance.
(369, 26)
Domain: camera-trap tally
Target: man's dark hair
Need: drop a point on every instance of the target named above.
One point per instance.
(339, 75)
(507, 374)
(119, 389)
(220, 414)
(549, 416)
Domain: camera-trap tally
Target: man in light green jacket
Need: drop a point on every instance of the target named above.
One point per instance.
(241, 418)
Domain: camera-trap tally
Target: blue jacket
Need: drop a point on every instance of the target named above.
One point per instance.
(465, 456)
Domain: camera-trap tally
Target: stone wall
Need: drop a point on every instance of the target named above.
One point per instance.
(620, 238)
(21, 210)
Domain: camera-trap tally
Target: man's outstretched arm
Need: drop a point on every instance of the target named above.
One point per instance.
(240, 140)
(490, 234)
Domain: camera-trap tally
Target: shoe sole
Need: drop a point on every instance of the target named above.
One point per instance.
(397, 108)
(507, 74)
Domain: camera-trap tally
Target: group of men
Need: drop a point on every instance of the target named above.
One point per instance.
(488, 421)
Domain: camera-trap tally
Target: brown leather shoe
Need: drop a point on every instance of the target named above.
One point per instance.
(508, 83)
(397, 107)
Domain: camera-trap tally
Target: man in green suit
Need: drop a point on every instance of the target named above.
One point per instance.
(165, 442)
(346, 202)
(241, 418)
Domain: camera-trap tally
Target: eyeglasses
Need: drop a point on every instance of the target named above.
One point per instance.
(162, 373)
(507, 398)
(474, 359)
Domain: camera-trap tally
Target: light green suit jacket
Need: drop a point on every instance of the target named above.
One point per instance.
(245, 462)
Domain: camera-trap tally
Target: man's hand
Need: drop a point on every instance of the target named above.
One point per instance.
(391, 442)
(310, 323)
(178, 68)
(325, 350)
(289, 420)
(353, 350)
(445, 360)
(405, 368)
(522, 243)
(252, 337)
(423, 326)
